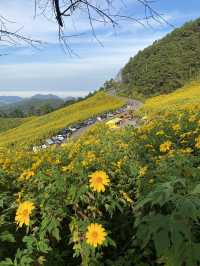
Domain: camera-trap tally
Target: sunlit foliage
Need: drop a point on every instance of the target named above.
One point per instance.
(34, 131)
(128, 197)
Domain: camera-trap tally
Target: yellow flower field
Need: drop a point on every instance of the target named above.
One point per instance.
(187, 97)
(37, 129)
(8, 123)
(125, 197)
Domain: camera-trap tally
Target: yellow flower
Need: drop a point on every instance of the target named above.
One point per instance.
(143, 171)
(192, 118)
(23, 213)
(197, 145)
(98, 181)
(186, 150)
(126, 197)
(119, 164)
(166, 146)
(95, 235)
(123, 146)
(36, 165)
(26, 175)
(89, 157)
(68, 168)
(186, 135)
(176, 127)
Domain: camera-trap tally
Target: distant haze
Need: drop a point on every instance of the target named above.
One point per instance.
(25, 94)
(17, 101)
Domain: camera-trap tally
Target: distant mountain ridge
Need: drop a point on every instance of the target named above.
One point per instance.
(36, 105)
(16, 99)
(45, 96)
(9, 99)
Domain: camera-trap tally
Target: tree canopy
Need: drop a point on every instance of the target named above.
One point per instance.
(167, 64)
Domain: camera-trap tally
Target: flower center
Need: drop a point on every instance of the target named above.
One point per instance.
(94, 235)
(99, 180)
(25, 212)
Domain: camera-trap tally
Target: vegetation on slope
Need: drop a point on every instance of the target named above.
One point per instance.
(166, 65)
(32, 106)
(139, 189)
(181, 99)
(34, 131)
(8, 123)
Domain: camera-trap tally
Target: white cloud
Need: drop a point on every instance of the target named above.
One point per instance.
(73, 75)
(44, 28)
(29, 71)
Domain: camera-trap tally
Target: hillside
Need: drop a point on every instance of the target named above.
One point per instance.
(8, 123)
(38, 128)
(182, 99)
(166, 65)
(133, 188)
(35, 105)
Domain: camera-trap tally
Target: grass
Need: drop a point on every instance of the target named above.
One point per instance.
(34, 131)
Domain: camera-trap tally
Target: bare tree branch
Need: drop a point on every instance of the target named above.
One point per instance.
(14, 37)
(101, 11)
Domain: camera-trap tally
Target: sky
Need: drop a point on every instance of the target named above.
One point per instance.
(47, 68)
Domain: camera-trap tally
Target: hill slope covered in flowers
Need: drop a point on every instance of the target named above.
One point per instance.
(184, 98)
(8, 123)
(38, 128)
(128, 197)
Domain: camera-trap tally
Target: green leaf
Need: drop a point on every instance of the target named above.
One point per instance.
(56, 234)
(7, 237)
(162, 242)
(6, 262)
(196, 190)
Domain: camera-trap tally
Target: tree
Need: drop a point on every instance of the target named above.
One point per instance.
(17, 112)
(47, 108)
(103, 11)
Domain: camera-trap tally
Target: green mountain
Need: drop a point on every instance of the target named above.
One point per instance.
(35, 105)
(164, 66)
